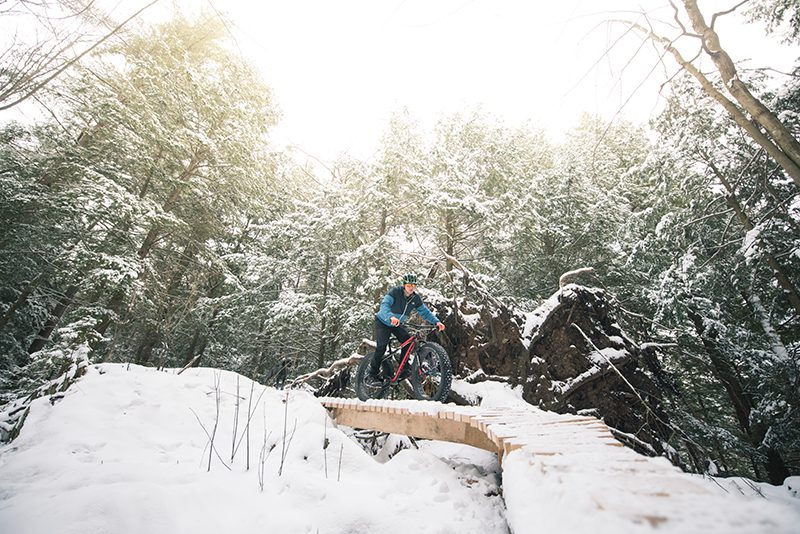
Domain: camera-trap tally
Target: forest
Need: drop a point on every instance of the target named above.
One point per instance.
(146, 217)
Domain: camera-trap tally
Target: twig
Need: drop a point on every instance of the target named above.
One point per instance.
(191, 363)
(325, 444)
(339, 475)
(247, 426)
(614, 367)
(723, 13)
(647, 407)
(250, 417)
(640, 316)
(31, 91)
(216, 418)
(482, 290)
(210, 440)
(235, 420)
(283, 443)
(286, 449)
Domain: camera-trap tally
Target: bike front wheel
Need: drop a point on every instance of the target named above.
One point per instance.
(432, 375)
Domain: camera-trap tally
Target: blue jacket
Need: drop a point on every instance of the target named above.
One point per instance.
(395, 304)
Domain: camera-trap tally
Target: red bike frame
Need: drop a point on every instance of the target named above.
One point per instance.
(411, 341)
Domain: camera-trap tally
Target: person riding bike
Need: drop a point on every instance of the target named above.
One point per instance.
(394, 312)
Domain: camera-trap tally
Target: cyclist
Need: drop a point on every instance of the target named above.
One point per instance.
(395, 309)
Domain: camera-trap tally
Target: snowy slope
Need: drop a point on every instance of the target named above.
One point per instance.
(124, 453)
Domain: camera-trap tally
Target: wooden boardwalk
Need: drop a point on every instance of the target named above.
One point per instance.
(500, 431)
(552, 461)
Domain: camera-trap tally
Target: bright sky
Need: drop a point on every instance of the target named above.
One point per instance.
(340, 69)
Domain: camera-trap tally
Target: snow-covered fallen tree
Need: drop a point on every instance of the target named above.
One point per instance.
(570, 355)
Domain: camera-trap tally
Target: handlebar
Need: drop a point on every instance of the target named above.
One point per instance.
(415, 328)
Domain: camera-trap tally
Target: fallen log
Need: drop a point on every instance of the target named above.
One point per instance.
(327, 372)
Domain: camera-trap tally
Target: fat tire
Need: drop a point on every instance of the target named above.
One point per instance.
(418, 377)
(363, 391)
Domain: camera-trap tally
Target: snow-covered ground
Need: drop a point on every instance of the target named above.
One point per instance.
(123, 452)
(126, 451)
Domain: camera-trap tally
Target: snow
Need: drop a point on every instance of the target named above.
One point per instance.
(794, 208)
(490, 394)
(581, 493)
(608, 354)
(749, 248)
(124, 452)
(469, 319)
(534, 319)
(617, 340)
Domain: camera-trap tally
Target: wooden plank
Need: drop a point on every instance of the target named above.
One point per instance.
(579, 441)
(571, 421)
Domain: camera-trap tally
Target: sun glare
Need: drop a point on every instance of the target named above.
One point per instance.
(340, 69)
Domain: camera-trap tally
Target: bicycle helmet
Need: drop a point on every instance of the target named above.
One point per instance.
(410, 279)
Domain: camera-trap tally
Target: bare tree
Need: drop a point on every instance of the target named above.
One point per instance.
(69, 35)
(746, 109)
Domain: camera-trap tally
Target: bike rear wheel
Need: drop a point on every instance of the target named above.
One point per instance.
(432, 375)
(364, 390)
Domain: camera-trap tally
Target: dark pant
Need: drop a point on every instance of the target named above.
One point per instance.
(382, 341)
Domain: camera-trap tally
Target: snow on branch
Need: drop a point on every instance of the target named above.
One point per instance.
(326, 372)
(481, 376)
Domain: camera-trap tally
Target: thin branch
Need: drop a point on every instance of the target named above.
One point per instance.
(74, 60)
(209, 439)
(728, 12)
(708, 216)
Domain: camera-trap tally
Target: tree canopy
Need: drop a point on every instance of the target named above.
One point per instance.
(147, 218)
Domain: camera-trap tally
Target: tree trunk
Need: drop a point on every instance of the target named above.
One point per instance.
(262, 359)
(190, 353)
(169, 204)
(784, 281)
(449, 247)
(742, 404)
(61, 306)
(752, 128)
(144, 352)
(775, 342)
(150, 340)
(324, 322)
(715, 438)
(200, 341)
(166, 303)
(730, 78)
(28, 289)
(382, 223)
(18, 303)
(114, 305)
(776, 468)
(741, 401)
